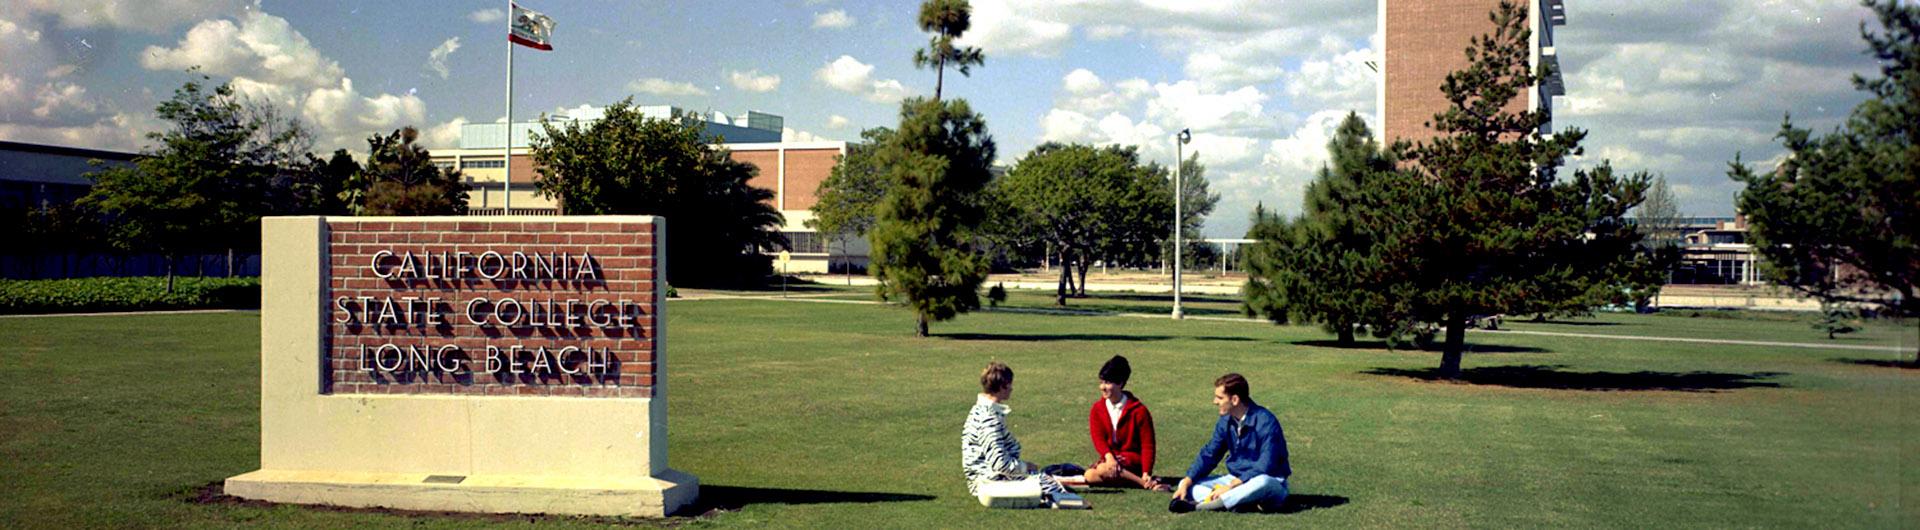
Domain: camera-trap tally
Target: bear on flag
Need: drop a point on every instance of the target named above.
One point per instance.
(531, 29)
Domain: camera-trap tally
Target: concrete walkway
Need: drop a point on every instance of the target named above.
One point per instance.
(1087, 312)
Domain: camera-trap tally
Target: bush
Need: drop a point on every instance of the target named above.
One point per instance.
(996, 295)
(88, 295)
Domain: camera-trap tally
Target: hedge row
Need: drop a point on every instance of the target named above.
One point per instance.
(86, 295)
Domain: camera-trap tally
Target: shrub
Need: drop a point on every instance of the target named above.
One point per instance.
(87, 295)
(996, 295)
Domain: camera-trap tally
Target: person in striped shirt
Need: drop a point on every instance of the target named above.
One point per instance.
(989, 452)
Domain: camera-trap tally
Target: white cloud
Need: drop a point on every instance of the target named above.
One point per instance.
(1108, 32)
(837, 121)
(848, 74)
(261, 46)
(752, 81)
(661, 87)
(119, 132)
(444, 135)
(999, 29)
(789, 134)
(345, 117)
(835, 19)
(487, 16)
(152, 16)
(437, 59)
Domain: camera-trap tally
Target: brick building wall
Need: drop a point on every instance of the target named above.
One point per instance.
(1425, 41)
(583, 290)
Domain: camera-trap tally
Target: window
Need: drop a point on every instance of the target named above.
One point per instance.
(482, 163)
(807, 242)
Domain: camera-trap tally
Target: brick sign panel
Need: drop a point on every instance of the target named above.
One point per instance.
(491, 307)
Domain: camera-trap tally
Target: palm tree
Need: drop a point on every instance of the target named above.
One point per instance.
(946, 20)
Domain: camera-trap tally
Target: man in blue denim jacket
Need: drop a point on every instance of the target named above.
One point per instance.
(1255, 448)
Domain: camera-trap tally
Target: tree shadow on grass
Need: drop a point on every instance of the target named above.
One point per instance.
(735, 497)
(1381, 345)
(1051, 337)
(1553, 377)
(1883, 363)
(1582, 323)
(1168, 298)
(1302, 502)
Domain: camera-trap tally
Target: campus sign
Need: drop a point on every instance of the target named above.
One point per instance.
(457, 344)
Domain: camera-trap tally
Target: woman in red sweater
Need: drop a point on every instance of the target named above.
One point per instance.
(1122, 432)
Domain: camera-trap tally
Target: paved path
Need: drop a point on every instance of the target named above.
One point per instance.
(816, 298)
(1084, 312)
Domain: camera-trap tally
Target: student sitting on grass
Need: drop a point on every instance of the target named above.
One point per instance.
(1256, 452)
(1122, 432)
(990, 455)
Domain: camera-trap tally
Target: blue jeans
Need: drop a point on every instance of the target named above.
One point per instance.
(1262, 489)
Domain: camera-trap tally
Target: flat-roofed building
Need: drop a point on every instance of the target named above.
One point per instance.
(39, 176)
(793, 171)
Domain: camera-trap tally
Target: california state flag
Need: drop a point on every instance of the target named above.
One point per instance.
(531, 29)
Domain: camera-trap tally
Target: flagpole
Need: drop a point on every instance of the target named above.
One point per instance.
(506, 186)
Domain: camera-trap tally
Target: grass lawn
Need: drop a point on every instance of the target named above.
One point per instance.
(834, 415)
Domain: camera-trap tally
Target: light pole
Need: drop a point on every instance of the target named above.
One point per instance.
(1178, 219)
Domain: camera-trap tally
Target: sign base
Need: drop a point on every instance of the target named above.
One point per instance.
(658, 496)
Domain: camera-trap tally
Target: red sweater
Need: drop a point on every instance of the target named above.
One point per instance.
(1131, 443)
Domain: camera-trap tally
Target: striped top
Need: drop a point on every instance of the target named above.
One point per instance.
(987, 450)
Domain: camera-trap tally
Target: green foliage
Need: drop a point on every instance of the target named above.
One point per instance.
(851, 195)
(399, 178)
(1839, 218)
(927, 236)
(88, 295)
(946, 20)
(216, 170)
(1480, 222)
(1084, 202)
(1327, 266)
(718, 227)
(1836, 319)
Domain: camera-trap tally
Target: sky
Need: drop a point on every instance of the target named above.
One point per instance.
(1673, 88)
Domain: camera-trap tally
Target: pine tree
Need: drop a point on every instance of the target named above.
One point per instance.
(927, 235)
(946, 20)
(1485, 226)
(1325, 266)
(1839, 219)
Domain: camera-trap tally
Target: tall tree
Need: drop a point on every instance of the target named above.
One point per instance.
(946, 20)
(1837, 218)
(719, 228)
(850, 196)
(1079, 198)
(1489, 228)
(1658, 217)
(927, 237)
(205, 183)
(400, 178)
(1327, 265)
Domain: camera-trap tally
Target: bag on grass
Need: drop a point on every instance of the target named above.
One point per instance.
(1023, 493)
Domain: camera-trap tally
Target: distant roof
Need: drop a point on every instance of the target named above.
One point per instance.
(67, 151)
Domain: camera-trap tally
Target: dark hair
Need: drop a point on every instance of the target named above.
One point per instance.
(996, 377)
(1116, 370)
(1235, 385)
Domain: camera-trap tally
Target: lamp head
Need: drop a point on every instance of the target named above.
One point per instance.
(1185, 136)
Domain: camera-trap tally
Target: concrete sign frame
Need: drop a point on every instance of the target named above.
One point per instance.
(574, 440)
